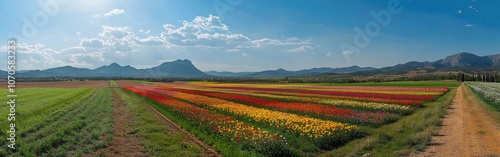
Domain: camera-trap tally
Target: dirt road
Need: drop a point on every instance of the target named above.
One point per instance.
(467, 129)
(123, 144)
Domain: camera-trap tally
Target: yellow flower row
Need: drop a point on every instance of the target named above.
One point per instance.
(371, 105)
(306, 126)
(414, 91)
(380, 91)
(335, 102)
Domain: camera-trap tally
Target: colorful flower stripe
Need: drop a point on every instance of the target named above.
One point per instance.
(304, 126)
(361, 89)
(326, 111)
(384, 88)
(371, 105)
(223, 125)
(394, 92)
(370, 88)
(338, 93)
(335, 102)
(363, 99)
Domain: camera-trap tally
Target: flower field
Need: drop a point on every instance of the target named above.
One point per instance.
(272, 119)
(489, 92)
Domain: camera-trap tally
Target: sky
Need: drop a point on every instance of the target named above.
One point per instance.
(246, 35)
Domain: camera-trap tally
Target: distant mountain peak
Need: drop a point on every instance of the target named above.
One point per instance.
(465, 59)
(281, 70)
(114, 65)
(462, 61)
(182, 61)
(179, 67)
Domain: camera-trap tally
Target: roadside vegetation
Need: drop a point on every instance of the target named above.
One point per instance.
(488, 92)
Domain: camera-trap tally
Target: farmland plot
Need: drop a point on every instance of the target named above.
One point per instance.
(296, 120)
(489, 92)
(59, 121)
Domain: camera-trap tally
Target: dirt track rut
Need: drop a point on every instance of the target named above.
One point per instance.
(467, 129)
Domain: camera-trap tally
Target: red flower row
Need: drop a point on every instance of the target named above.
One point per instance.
(338, 93)
(322, 110)
(221, 124)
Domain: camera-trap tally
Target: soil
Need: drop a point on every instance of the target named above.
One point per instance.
(467, 130)
(123, 144)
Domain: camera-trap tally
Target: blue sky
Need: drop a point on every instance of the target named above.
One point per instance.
(246, 35)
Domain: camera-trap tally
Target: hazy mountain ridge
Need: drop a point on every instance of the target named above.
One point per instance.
(461, 61)
(178, 68)
(185, 68)
(306, 72)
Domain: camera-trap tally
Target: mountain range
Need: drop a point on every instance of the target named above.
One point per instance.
(185, 69)
(178, 68)
(462, 62)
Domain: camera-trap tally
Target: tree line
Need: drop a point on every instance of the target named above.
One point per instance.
(485, 77)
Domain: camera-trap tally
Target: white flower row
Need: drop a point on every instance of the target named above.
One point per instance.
(490, 90)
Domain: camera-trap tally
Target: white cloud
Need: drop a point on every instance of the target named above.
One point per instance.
(115, 12)
(207, 35)
(232, 50)
(459, 12)
(26, 48)
(210, 32)
(276, 42)
(117, 32)
(118, 45)
(329, 54)
(144, 31)
(93, 43)
(303, 48)
(108, 14)
(151, 40)
(473, 8)
(347, 55)
(469, 25)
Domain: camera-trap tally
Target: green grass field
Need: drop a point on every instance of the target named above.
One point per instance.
(79, 122)
(60, 122)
